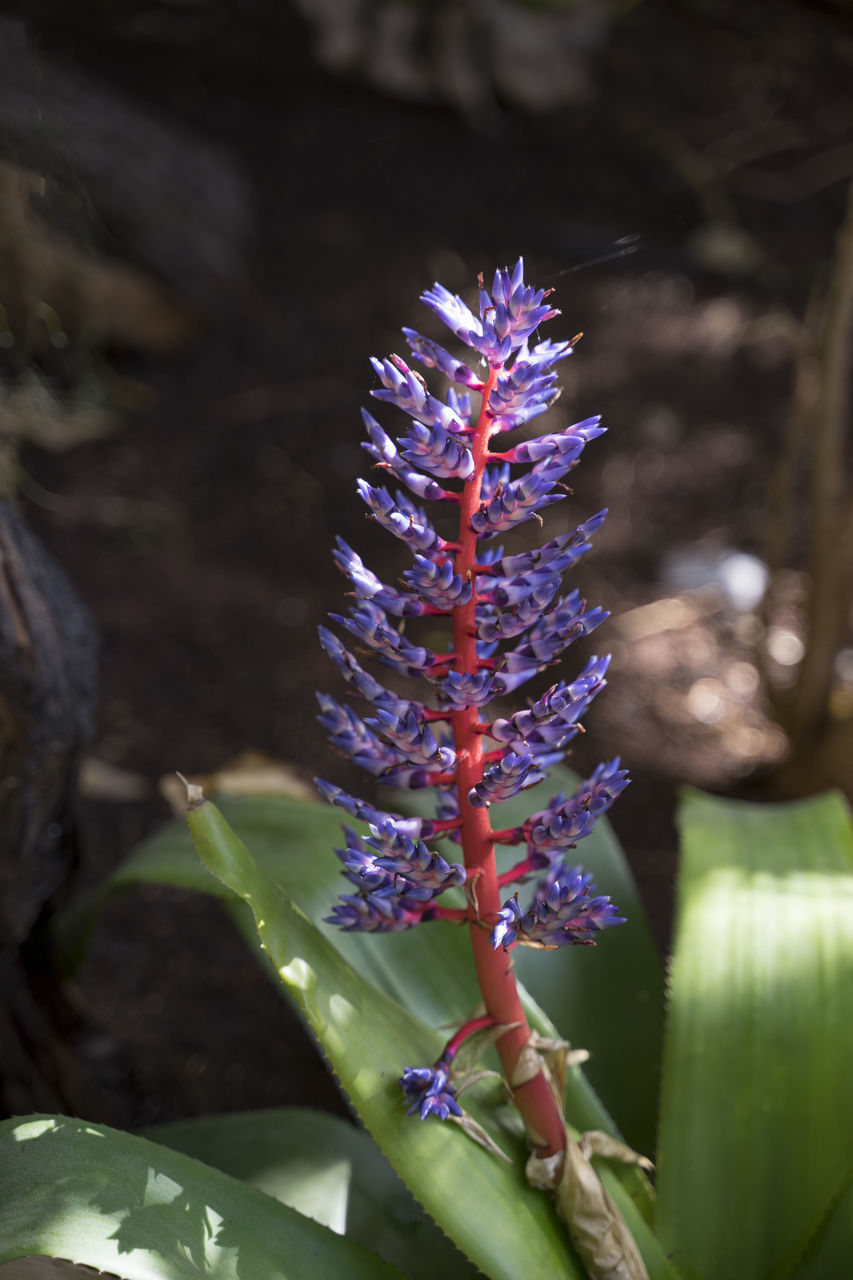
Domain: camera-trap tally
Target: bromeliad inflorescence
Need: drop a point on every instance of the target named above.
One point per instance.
(506, 623)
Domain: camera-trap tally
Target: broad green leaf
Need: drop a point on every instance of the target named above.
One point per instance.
(830, 1250)
(293, 842)
(506, 1228)
(122, 1204)
(429, 970)
(461, 1187)
(327, 1169)
(756, 1150)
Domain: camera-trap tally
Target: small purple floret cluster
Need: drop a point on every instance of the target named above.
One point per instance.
(523, 626)
(431, 1092)
(563, 911)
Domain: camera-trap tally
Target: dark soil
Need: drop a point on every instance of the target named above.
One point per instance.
(199, 534)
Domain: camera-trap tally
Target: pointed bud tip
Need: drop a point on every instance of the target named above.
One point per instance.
(195, 793)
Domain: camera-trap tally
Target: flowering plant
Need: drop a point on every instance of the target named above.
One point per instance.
(506, 625)
(759, 1042)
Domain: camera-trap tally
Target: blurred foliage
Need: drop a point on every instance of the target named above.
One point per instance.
(811, 527)
(64, 309)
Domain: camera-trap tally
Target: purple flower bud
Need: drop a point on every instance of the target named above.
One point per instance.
(542, 356)
(450, 308)
(507, 317)
(528, 388)
(369, 587)
(397, 879)
(554, 632)
(461, 404)
(566, 916)
(411, 777)
(356, 676)
(552, 720)
(438, 451)
(413, 738)
(495, 480)
(558, 869)
(554, 553)
(351, 736)
(381, 911)
(402, 518)
(407, 390)
(361, 866)
(425, 873)
(369, 624)
(437, 583)
(495, 623)
(386, 455)
(516, 502)
(564, 822)
(430, 1090)
(414, 828)
(459, 690)
(505, 779)
(435, 357)
(565, 448)
(505, 930)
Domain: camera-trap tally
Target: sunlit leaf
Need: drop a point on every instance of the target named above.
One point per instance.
(327, 1169)
(756, 1145)
(122, 1204)
(428, 970)
(485, 1206)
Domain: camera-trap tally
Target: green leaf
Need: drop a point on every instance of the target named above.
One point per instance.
(756, 1149)
(831, 1248)
(427, 970)
(486, 1207)
(325, 1168)
(123, 1204)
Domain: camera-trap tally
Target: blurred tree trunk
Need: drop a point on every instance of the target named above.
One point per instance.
(47, 688)
(818, 441)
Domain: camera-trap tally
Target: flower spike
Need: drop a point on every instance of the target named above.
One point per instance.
(470, 624)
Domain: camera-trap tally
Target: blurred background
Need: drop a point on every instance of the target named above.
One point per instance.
(212, 212)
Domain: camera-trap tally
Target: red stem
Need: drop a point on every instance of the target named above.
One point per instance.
(534, 1099)
(515, 873)
(443, 825)
(509, 835)
(459, 1037)
(458, 915)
